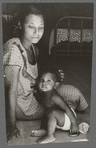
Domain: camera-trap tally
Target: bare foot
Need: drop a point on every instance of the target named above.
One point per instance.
(38, 133)
(46, 139)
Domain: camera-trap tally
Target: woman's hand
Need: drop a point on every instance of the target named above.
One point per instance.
(14, 132)
(61, 72)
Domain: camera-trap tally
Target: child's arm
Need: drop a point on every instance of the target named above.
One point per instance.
(57, 100)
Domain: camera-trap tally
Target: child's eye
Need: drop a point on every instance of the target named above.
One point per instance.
(49, 81)
(41, 80)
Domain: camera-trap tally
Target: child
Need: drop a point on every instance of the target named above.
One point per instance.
(57, 112)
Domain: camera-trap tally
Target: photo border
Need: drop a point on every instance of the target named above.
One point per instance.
(87, 144)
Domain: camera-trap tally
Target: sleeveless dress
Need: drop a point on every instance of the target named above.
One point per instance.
(27, 106)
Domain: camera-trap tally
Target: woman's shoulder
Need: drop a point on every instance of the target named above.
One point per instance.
(11, 53)
(11, 41)
(11, 46)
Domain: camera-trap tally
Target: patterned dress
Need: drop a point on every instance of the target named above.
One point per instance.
(72, 96)
(15, 55)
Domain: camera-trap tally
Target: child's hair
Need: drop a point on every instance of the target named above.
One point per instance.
(26, 10)
(51, 70)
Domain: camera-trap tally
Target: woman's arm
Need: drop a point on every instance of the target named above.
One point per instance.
(11, 83)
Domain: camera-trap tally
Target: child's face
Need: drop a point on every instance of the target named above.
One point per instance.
(47, 82)
(33, 28)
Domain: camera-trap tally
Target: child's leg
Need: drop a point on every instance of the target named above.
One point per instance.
(42, 131)
(56, 117)
(38, 133)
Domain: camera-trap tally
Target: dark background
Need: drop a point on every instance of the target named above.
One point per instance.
(53, 12)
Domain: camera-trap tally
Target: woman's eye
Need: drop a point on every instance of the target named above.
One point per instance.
(41, 28)
(31, 27)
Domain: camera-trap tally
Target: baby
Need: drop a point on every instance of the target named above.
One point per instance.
(57, 113)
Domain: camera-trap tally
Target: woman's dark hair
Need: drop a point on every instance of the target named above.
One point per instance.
(23, 11)
(27, 9)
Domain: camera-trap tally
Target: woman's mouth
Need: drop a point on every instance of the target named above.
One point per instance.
(35, 37)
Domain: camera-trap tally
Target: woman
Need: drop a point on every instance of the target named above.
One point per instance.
(21, 71)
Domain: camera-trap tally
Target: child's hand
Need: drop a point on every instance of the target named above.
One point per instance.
(74, 129)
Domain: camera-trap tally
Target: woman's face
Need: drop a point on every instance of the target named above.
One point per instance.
(33, 28)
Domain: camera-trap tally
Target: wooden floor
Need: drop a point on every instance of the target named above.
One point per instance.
(78, 73)
(26, 138)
